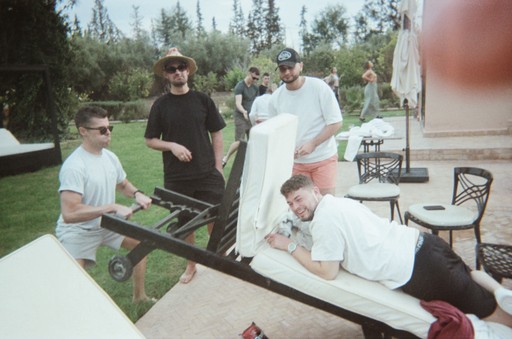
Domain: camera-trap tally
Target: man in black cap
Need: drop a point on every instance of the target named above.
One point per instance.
(181, 124)
(314, 103)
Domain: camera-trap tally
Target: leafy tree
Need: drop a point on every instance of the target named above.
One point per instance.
(319, 61)
(306, 37)
(381, 16)
(273, 29)
(232, 77)
(256, 27)
(101, 27)
(200, 31)
(331, 26)
(96, 65)
(361, 28)
(131, 85)
(237, 24)
(217, 52)
(349, 61)
(171, 27)
(34, 33)
(206, 83)
(138, 31)
(182, 22)
(214, 24)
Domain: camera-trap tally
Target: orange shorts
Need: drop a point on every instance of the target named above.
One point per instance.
(323, 173)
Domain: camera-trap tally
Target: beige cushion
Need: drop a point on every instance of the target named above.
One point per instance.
(452, 215)
(374, 190)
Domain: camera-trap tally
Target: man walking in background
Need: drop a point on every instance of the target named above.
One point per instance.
(246, 91)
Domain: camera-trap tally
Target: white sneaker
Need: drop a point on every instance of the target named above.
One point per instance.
(504, 299)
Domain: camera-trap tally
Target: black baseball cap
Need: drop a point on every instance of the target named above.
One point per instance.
(288, 57)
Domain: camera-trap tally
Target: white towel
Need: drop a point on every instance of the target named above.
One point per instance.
(376, 128)
(353, 144)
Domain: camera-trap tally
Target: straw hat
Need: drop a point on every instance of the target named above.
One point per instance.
(174, 54)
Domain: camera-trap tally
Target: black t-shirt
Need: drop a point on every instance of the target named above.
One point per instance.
(187, 120)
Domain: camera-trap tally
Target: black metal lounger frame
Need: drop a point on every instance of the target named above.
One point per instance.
(219, 253)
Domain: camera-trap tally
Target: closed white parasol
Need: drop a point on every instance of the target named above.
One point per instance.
(406, 78)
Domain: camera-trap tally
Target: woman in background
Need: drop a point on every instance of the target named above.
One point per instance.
(371, 96)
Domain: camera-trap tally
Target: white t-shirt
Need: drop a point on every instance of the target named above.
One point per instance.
(259, 109)
(367, 245)
(316, 107)
(94, 177)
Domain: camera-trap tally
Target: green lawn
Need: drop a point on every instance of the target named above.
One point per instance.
(30, 208)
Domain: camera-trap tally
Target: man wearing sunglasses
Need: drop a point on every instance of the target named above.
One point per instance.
(246, 91)
(186, 127)
(89, 178)
(314, 103)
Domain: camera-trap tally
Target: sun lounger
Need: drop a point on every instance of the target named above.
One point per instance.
(44, 293)
(251, 208)
(19, 158)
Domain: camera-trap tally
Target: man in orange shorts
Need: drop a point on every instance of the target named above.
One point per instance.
(314, 103)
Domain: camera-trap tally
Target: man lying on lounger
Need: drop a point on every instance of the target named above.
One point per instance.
(346, 233)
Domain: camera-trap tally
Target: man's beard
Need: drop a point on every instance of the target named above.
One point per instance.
(179, 83)
(308, 218)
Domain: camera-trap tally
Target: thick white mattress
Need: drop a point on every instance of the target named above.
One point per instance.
(348, 291)
(44, 293)
(9, 145)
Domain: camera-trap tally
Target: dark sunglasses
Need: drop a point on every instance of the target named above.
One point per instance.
(103, 130)
(254, 78)
(172, 69)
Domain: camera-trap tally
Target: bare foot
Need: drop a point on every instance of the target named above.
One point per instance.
(144, 299)
(187, 276)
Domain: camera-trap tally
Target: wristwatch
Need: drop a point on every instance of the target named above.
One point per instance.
(292, 247)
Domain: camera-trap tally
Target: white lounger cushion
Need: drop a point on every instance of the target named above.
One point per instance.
(348, 291)
(44, 293)
(268, 164)
(9, 145)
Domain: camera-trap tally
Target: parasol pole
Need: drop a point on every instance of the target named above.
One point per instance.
(407, 148)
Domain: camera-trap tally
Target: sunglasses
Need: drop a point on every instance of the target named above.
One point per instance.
(255, 78)
(103, 130)
(172, 69)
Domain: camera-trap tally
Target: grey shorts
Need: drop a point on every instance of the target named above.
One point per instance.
(242, 127)
(83, 243)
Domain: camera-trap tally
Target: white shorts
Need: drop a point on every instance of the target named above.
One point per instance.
(83, 243)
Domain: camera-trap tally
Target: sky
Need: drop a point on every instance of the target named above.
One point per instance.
(121, 12)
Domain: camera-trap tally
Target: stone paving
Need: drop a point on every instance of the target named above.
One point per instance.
(215, 305)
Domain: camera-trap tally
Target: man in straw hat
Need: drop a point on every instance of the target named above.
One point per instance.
(187, 127)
